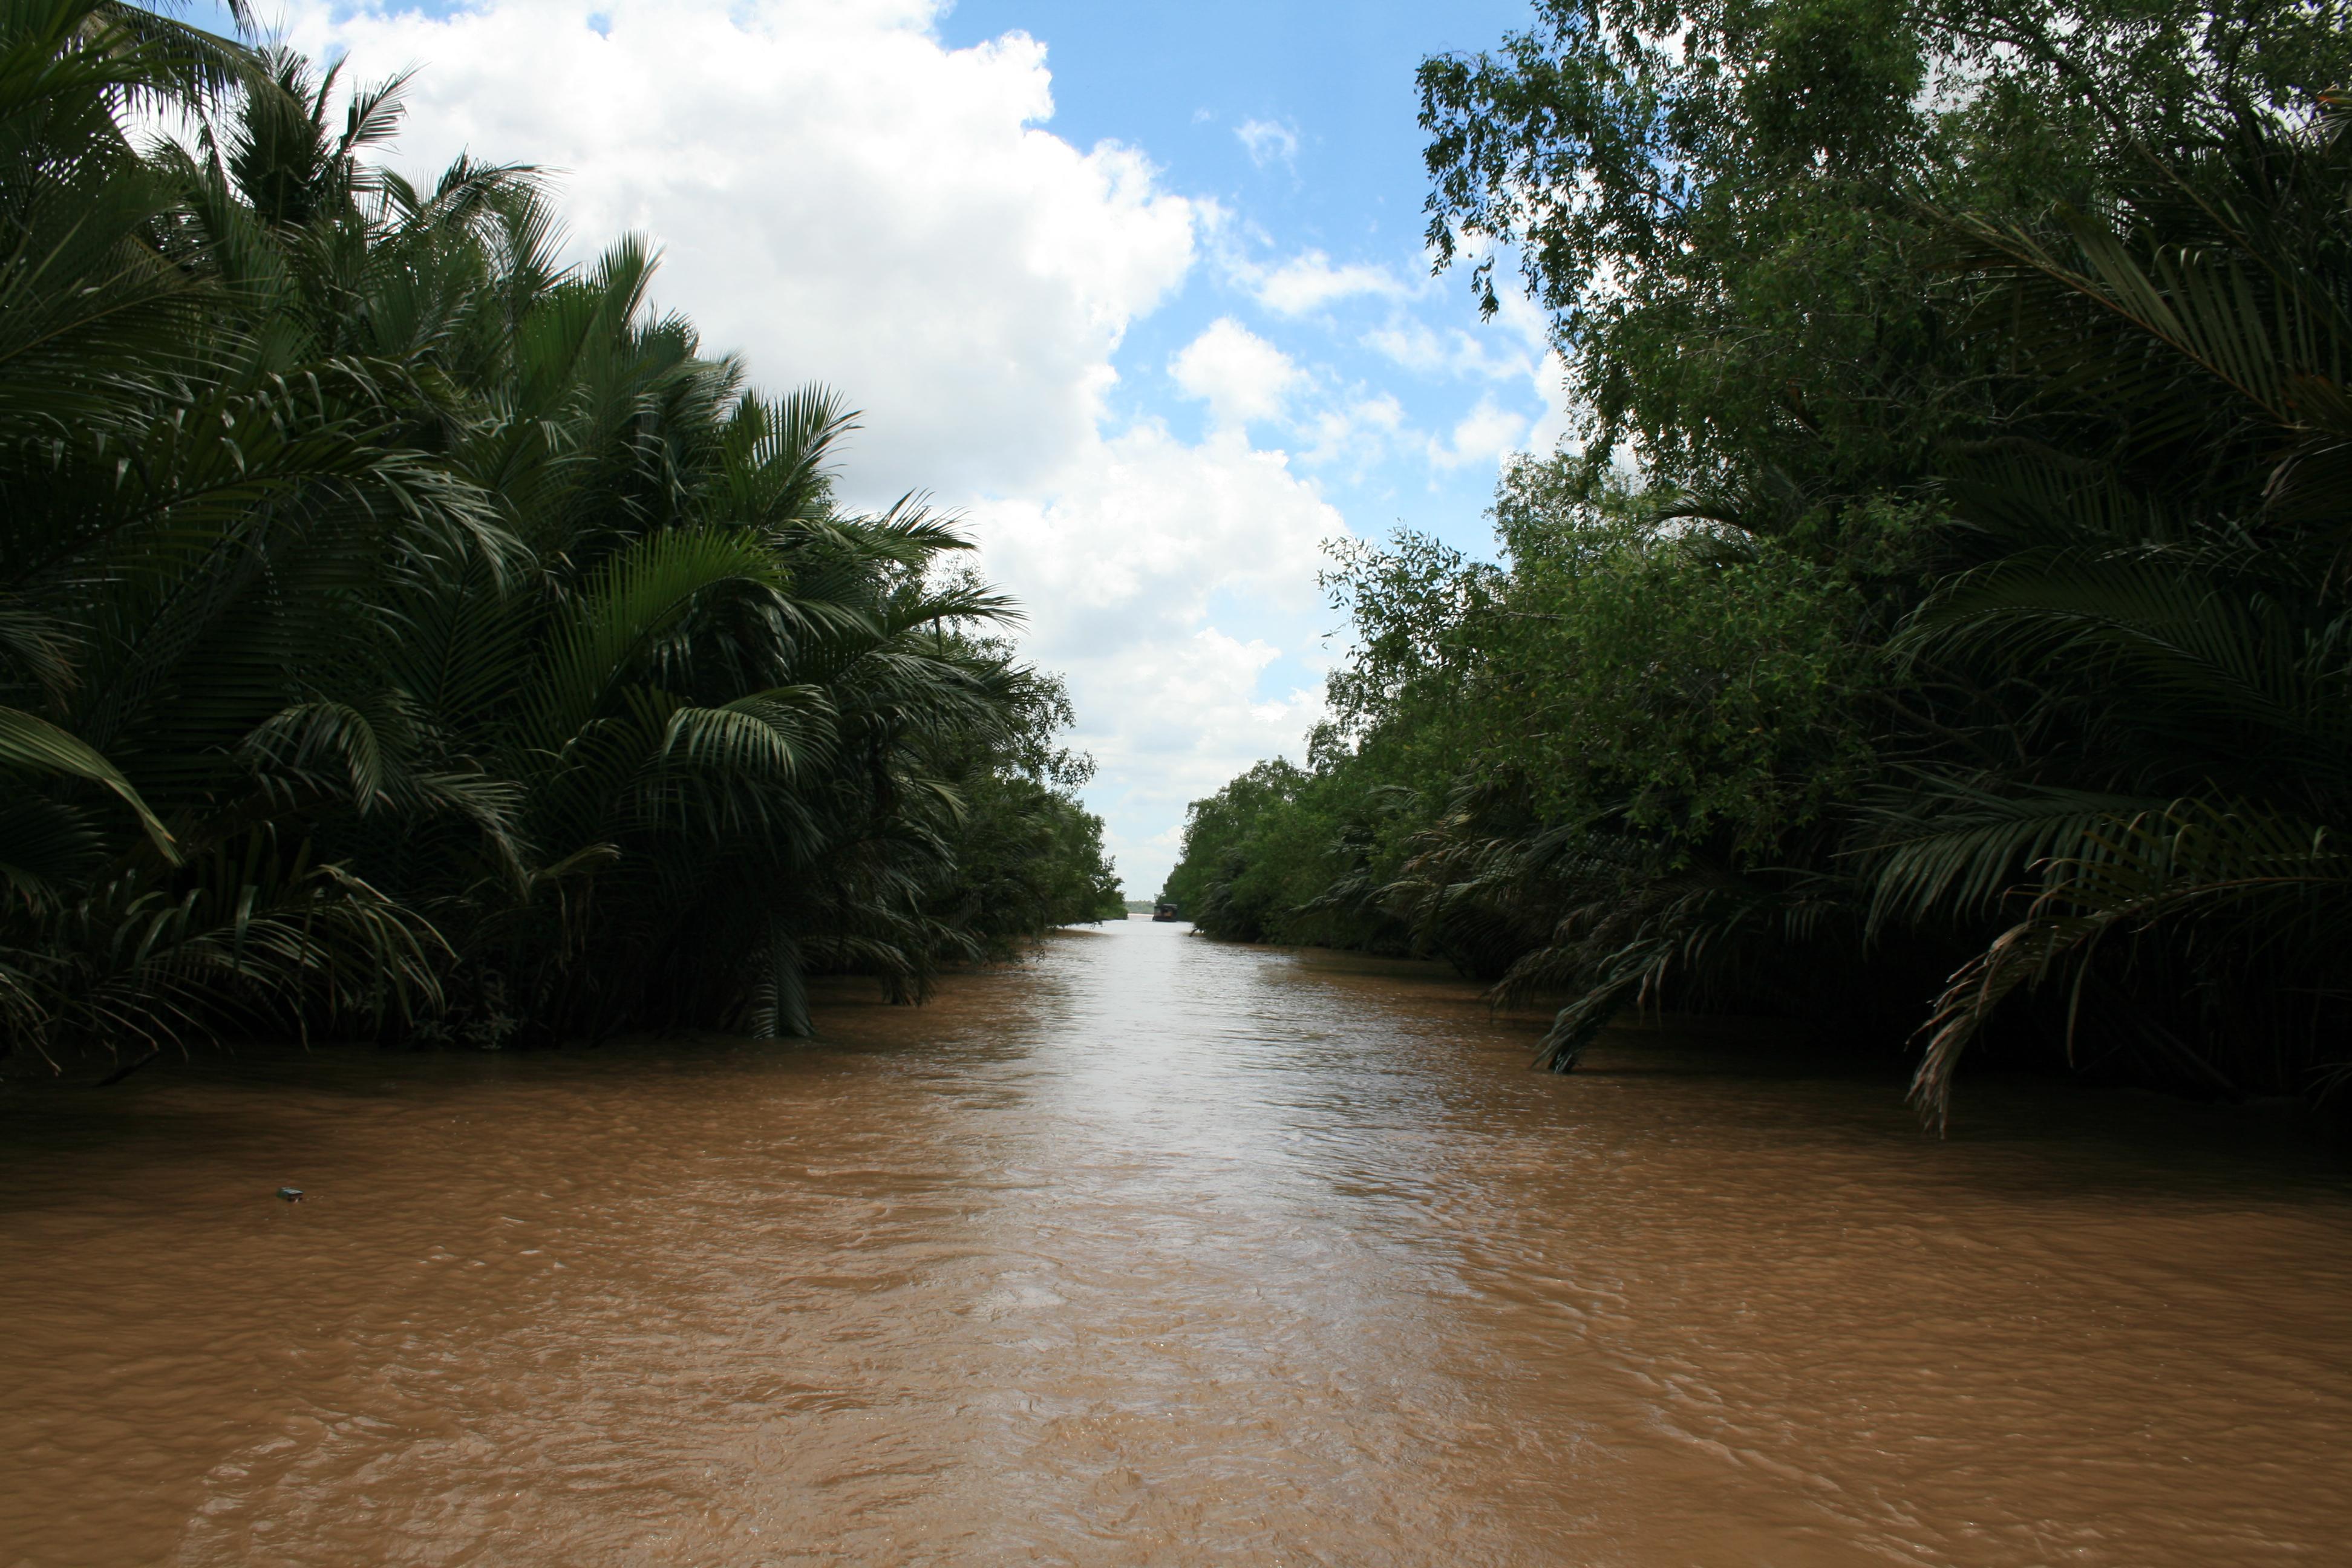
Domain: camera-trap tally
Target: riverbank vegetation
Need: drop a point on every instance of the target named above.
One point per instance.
(404, 633)
(1941, 633)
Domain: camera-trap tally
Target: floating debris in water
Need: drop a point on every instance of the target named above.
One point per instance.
(291, 1195)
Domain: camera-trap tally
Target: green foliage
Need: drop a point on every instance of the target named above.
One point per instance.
(1694, 682)
(1027, 856)
(1726, 204)
(1970, 639)
(402, 632)
(1253, 852)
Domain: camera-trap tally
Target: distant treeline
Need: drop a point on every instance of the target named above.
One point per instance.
(405, 633)
(1942, 634)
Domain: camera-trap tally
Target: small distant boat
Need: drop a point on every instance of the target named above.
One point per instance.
(1165, 912)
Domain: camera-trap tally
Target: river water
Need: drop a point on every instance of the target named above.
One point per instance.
(1157, 1251)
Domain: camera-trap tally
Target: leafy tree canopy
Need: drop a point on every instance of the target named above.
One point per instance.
(1941, 633)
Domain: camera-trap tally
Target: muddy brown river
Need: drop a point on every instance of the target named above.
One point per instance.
(1160, 1252)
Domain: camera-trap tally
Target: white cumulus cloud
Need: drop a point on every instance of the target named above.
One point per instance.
(1426, 351)
(1130, 558)
(841, 197)
(1486, 435)
(838, 196)
(1240, 375)
(1310, 282)
(1360, 431)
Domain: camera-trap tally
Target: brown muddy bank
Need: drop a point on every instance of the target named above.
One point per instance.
(1160, 1251)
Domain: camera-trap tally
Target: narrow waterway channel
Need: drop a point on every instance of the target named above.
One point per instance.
(1161, 1252)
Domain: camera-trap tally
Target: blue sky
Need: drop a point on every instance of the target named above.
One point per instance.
(1301, 119)
(1138, 289)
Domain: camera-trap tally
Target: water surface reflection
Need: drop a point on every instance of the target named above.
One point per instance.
(1159, 1251)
